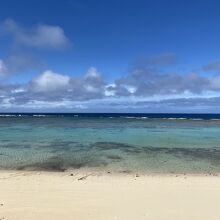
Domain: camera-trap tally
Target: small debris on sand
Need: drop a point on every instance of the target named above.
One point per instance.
(84, 177)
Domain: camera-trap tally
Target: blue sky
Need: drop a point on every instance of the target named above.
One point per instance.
(110, 56)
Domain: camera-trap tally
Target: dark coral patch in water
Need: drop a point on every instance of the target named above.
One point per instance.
(60, 164)
(110, 146)
(52, 164)
(17, 146)
(114, 157)
(211, 155)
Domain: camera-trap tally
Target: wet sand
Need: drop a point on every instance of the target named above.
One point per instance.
(87, 196)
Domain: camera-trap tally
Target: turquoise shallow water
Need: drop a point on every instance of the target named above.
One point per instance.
(120, 144)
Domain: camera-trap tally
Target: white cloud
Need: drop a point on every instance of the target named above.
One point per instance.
(41, 36)
(17, 90)
(44, 36)
(50, 81)
(90, 88)
(110, 90)
(92, 80)
(35, 104)
(92, 73)
(131, 89)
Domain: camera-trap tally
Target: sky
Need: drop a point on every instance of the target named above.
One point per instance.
(110, 56)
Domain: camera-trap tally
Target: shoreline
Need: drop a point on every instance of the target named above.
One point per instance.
(32, 195)
(108, 172)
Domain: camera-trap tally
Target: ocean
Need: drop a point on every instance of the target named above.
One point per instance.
(122, 143)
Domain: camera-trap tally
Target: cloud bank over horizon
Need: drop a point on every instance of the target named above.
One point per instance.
(151, 85)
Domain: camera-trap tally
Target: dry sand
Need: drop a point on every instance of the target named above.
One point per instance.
(59, 196)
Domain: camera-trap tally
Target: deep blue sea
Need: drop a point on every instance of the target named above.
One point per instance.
(124, 143)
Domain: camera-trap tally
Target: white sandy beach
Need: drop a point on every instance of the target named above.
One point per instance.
(57, 196)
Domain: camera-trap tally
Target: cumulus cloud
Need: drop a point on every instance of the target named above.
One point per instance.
(50, 81)
(147, 81)
(41, 36)
(92, 81)
(55, 87)
(89, 86)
